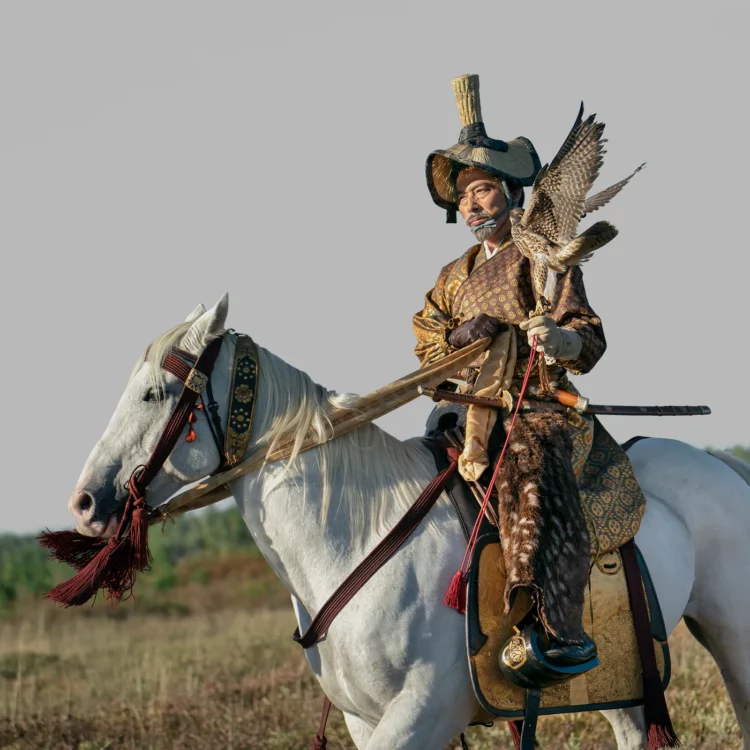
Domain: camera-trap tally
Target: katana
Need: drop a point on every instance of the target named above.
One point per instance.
(565, 400)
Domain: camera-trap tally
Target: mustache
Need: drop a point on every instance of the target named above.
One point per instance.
(478, 215)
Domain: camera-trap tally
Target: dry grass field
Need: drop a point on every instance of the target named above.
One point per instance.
(213, 666)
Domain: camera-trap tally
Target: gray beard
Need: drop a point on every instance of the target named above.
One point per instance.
(484, 233)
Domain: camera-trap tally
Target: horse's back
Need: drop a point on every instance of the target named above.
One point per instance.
(695, 526)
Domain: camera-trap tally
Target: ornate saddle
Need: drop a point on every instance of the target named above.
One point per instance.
(493, 646)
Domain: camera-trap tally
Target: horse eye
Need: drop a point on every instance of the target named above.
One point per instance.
(154, 394)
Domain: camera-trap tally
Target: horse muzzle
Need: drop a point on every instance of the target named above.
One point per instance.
(89, 521)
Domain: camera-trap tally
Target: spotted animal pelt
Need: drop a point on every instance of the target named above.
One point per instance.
(545, 541)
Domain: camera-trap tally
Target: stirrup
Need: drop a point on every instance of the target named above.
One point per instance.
(523, 663)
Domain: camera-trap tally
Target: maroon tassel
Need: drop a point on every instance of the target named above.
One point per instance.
(515, 728)
(138, 537)
(659, 727)
(102, 564)
(82, 586)
(70, 547)
(455, 597)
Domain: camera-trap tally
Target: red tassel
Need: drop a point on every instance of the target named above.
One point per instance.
(455, 598)
(138, 537)
(82, 586)
(661, 733)
(70, 547)
(110, 564)
(191, 432)
(661, 737)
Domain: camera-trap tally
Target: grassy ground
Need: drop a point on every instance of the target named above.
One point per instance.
(213, 666)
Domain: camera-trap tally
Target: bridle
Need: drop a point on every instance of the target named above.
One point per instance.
(195, 375)
(111, 564)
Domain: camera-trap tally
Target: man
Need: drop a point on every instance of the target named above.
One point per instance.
(546, 540)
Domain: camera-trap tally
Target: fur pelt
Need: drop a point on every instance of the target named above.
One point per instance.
(545, 541)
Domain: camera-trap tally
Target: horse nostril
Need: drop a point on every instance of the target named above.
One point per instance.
(83, 502)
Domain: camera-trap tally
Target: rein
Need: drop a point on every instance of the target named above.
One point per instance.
(112, 564)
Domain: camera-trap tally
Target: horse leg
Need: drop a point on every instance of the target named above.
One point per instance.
(719, 606)
(629, 727)
(359, 730)
(726, 638)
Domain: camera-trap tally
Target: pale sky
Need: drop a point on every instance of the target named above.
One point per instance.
(154, 155)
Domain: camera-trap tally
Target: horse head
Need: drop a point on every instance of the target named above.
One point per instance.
(140, 419)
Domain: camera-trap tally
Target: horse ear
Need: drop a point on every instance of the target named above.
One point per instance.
(196, 313)
(207, 327)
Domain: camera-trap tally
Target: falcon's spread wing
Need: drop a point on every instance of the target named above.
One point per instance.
(558, 197)
(540, 215)
(581, 248)
(605, 196)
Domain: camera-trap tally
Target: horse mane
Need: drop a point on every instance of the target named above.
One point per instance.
(373, 471)
(365, 474)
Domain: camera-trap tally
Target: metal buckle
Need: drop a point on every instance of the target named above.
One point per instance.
(196, 381)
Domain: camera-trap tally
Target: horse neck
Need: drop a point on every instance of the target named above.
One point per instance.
(316, 519)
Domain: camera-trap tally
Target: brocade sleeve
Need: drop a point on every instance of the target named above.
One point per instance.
(433, 324)
(572, 311)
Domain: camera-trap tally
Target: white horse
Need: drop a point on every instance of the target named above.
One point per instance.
(394, 661)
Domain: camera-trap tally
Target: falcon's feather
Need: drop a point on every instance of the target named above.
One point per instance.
(546, 232)
(559, 193)
(605, 196)
(581, 248)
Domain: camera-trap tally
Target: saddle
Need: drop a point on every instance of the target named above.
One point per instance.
(616, 683)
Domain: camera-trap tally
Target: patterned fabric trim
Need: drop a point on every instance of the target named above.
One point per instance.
(242, 399)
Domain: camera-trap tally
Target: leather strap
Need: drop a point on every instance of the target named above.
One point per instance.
(530, 718)
(658, 723)
(194, 380)
(377, 558)
(319, 741)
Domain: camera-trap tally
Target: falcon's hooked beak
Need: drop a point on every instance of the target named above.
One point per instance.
(515, 216)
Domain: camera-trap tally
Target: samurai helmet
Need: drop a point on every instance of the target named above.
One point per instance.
(515, 161)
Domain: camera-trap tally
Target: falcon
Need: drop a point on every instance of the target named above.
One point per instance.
(546, 232)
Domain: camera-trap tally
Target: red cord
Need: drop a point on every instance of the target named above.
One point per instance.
(485, 502)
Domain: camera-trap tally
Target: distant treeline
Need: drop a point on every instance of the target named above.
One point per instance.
(25, 569)
(742, 452)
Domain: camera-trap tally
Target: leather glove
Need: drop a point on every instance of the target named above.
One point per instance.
(555, 342)
(481, 327)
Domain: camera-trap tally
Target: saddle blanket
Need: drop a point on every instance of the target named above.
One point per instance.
(615, 683)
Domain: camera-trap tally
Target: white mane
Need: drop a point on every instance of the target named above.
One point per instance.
(362, 466)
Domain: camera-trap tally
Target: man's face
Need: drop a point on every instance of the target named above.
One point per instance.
(480, 197)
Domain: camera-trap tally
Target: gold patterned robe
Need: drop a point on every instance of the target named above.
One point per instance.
(579, 481)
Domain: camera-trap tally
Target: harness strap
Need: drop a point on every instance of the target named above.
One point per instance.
(377, 558)
(530, 718)
(319, 741)
(195, 380)
(659, 729)
(112, 564)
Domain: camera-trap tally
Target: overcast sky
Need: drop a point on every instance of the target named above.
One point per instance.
(154, 155)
